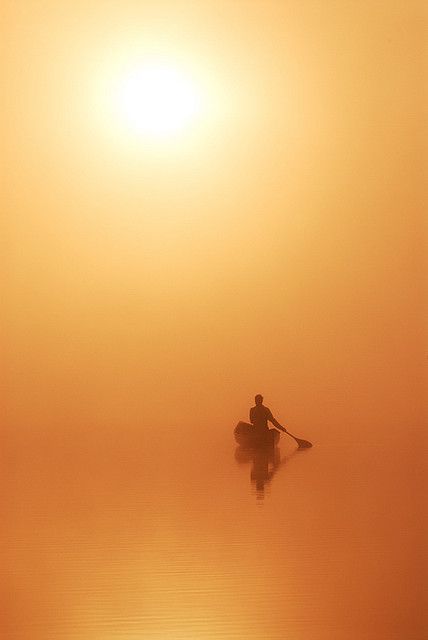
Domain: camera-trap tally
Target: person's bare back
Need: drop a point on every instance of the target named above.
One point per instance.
(261, 415)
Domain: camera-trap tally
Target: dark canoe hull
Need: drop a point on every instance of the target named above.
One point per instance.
(247, 436)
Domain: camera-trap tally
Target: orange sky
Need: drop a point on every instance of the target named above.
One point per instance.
(276, 247)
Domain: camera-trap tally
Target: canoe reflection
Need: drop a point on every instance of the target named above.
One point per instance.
(265, 462)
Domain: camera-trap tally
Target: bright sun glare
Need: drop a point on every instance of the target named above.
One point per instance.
(157, 100)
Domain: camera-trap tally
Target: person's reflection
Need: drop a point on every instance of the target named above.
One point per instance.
(265, 461)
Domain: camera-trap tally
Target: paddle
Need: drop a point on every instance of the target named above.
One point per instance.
(302, 444)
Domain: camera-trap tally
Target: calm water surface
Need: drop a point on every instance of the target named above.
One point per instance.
(131, 538)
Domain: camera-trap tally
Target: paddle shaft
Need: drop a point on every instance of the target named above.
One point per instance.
(298, 440)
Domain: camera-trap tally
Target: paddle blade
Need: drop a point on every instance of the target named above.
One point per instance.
(303, 444)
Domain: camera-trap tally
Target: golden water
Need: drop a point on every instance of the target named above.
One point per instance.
(111, 540)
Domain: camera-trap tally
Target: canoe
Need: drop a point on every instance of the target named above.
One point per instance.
(246, 435)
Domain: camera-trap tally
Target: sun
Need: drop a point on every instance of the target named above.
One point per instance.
(157, 100)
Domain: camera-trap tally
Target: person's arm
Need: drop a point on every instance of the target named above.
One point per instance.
(252, 415)
(275, 422)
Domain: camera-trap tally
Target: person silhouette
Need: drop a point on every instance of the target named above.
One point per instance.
(261, 415)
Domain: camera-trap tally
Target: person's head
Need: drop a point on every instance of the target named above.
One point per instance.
(259, 399)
